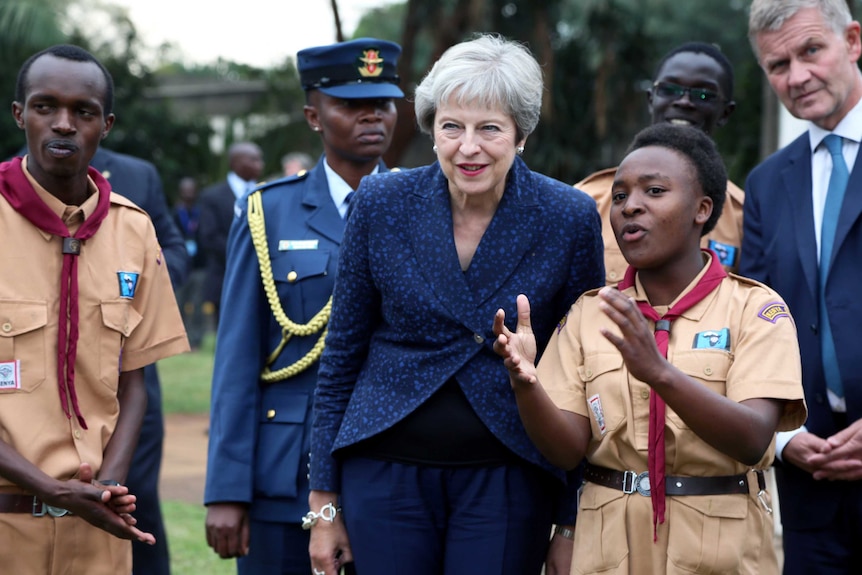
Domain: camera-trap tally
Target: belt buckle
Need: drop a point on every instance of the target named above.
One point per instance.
(642, 484)
(40, 508)
(629, 482)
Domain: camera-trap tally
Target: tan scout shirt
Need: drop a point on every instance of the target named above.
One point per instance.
(116, 333)
(741, 343)
(725, 239)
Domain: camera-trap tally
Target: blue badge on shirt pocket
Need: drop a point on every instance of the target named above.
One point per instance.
(128, 284)
(713, 339)
(726, 253)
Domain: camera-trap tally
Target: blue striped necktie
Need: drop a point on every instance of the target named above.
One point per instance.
(831, 211)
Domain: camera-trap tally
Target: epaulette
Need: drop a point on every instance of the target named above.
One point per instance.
(297, 177)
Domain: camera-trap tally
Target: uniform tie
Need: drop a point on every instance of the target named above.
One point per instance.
(656, 454)
(347, 199)
(834, 198)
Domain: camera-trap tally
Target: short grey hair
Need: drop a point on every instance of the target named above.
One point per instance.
(770, 15)
(488, 70)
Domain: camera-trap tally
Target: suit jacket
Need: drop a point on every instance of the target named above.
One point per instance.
(217, 214)
(139, 181)
(406, 318)
(779, 249)
(259, 433)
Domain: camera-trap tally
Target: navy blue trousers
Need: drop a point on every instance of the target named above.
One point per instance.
(143, 481)
(834, 549)
(276, 549)
(421, 520)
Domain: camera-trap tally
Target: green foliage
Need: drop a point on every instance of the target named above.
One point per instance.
(143, 128)
(184, 523)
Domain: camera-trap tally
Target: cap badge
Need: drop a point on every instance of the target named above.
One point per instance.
(372, 63)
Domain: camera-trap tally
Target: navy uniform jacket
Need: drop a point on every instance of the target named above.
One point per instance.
(259, 433)
(779, 249)
(406, 318)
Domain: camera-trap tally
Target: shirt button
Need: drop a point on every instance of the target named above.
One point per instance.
(588, 372)
(645, 394)
(270, 413)
(707, 370)
(291, 277)
(77, 434)
(478, 338)
(7, 327)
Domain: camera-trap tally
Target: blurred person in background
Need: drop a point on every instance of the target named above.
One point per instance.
(245, 164)
(190, 293)
(296, 162)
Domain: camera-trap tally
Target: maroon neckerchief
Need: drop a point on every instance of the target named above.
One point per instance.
(16, 188)
(656, 455)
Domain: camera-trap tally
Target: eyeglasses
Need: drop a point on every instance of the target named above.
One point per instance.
(675, 91)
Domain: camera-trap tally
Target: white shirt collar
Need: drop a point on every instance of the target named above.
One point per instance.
(849, 128)
(338, 188)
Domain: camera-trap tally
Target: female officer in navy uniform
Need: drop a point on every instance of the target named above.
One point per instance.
(281, 262)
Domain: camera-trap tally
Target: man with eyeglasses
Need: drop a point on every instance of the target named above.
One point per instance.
(693, 86)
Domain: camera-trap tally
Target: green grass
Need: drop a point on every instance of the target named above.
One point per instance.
(190, 554)
(186, 380)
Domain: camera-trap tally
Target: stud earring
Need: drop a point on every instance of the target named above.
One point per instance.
(434, 148)
(316, 128)
(519, 150)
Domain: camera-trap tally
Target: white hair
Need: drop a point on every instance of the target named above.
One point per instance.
(488, 70)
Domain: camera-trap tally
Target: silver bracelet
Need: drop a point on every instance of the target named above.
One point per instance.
(564, 532)
(327, 513)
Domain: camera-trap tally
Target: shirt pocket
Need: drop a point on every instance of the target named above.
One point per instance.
(600, 532)
(22, 336)
(603, 376)
(119, 320)
(709, 368)
(707, 533)
(282, 444)
(302, 279)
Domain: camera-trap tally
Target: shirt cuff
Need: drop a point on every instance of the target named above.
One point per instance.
(782, 438)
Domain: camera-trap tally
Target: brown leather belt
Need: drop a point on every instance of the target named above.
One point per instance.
(19, 503)
(631, 482)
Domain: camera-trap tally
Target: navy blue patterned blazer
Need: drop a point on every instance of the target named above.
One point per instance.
(406, 318)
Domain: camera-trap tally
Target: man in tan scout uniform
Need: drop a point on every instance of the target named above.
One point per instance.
(693, 86)
(86, 304)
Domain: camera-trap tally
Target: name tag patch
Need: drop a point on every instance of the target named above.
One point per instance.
(288, 245)
(596, 405)
(713, 339)
(10, 374)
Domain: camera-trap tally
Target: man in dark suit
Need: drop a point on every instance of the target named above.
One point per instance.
(245, 162)
(803, 237)
(139, 181)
